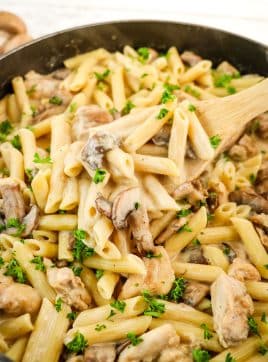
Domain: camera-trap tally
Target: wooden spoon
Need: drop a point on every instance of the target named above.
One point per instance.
(227, 117)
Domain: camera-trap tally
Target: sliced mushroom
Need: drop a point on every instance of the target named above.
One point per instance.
(249, 197)
(60, 74)
(260, 219)
(244, 149)
(162, 137)
(48, 112)
(194, 293)
(13, 203)
(93, 152)
(104, 206)
(262, 130)
(194, 191)
(261, 184)
(124, 203)
(190, 58)
(31, 220)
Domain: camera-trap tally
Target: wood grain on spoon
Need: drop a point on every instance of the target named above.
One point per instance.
(227, 117)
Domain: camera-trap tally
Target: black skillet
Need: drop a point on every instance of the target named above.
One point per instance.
(47, 53)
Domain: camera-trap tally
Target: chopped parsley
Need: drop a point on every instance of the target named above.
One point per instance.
(31, 90)
(1, 262)
(207, 332)
(191, 108)
(188, 89)
(38, 159)
(99, 176)
(162, 113)
(112, 313)
(34, 110)
(113, 111)
(77, 270)
(167, 96)
(5, 127)
(39, 261)
(185, 227)
(196, 242)
(100, 327)
(253, 326)
(73, 107)
(266, 266)
(215, 141)
(231, 90)
(144, 75)
(16, 142)
(101, 76)
(154, 308)
(200, 355)
(263, 349)
(14, 270)
(71, 316)
(78, 344)
(80, 249)
(136, 205)
(119, 305)
(264, 318)
(143, 54)
(62, 212)
(177, 290)
(15, 223)
(135, 340)
(58, 304)
(29, 173)
(224, 80)
(171, 87)
(151, 255)
(127, 108)
(252, 178)
(229, 358)
(255, 126)
(55, 100)
(226, 250)
(183, 213)
(99, 273)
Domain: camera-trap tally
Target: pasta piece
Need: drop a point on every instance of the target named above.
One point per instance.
(158, 165)
(42, 248)
(58, 222)
(198, 70)
(70, 197)
(218, 234)
(118, 88)
(13, 328)
(28, 144)
(13, 159)
(215, 256)
(200, 272)
(64, 249)
(17, 350)
(22, 100)
(107, 283)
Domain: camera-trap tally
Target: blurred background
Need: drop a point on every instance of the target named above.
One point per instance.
(245, 17)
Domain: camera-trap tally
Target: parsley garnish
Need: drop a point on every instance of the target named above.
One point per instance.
(162, 113)
(58, 304)
(34, 110)
(171, 87)
(183, 213)
(151, 255)
(99, 176)
(62, 212)
(80, 249)
(73, 107)
(252, 178)
(207, 333)
(191, 108)
(144, 75)
(264, 318)
(255, 126)
(192, 91)
(38, 159)
(1, 262)
(127, 108)
(101, 76)
(4, 171)
(167, 95)
(177, 290)
(215, 141)
(99, 273)
(15, 271)
(266, 266)
(196, 242)
(184, 227)
(113, 111)
(224, 80)
(112, 313)
(31, 90)
(78, 344)
(253, 326)
(29, 173)
(39, 261)
(71, 316)
(143, 54)
(263, 349)
(231, 90)
(226, 250)
(119, 305)
(100, 327)
(134, 339)
(5, 127)
(200, 355)
(77, 270)
(136, 205)
(16, 142)
(55, 100)
(15, 223)
(154, 308)
(229, 358)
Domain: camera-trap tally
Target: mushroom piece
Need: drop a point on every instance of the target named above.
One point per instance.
(31, 220)
(124, 203)
(244, 149)
(171, 229)
(249, 197)
(52, 111)
(104, 206)
(261, 184)
(102, 352)
(194, 191)
(194, 293)
(162, 137)
(93, 152)
(262, 130)
(260, 219)
(87, 117)
(263, 237)
(242, 270)
(190, 58)
(13, 203)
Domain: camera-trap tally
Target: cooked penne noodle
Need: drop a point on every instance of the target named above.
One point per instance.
(13, 328)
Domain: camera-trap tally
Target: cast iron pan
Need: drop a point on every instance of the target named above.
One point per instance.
(47, 53)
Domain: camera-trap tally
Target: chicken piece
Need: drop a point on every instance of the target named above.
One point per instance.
(48, 112)
(194, 293)
(102, 352)
(242, 270)
(87, 117)
(13, 203)
(193, 191)
(69, 287)
(16, 298)
(261, 184)
(231, 306)
(162, 137)
(227, 68)
(104, 206)
(263, 236)
(172, 228)
(262, 130)
(93, 152)
(249, 197)
(159, 277)
(182, 354)
(152, 346)
(31, 220)
(140, 228)
(190, 58)
(244, 149)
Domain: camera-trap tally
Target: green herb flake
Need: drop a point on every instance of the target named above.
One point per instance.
(229, 358)
(1, 262)
(191, 108)
(38, 159)
(34, 110)
(31, 90)
(263, 349)
(231, 90)
(55, 100)
(264, 318)
(62, 212)
(71, 316)
(77, 270)
(252, 178)
(112, 313)
(58, 304)
(188, 89)
(119, 305)
(99, 176)
(185, 227)
(73, 107)
(29, 174)
(16, 142)
(183, 213)
(143, 54)
(177, 290)
(99, 273)
(100, 327)
(102, 76)
(15, 223)
(14, 270)
(78, 344)
(137, 205)
(39, 263)
(196, 242)
(80, 249)
(113, 111)
(200, 355)
(4, 171)
(154, 307)
(144, 75)
(215, 141)
(171, 87)
(151, 255)
(134, 339)
(226, 250)
(255, 126)
(207, 332)
(253, 326)
(127, 107)
(266, 266)
(162, 113)
(167, 96)
(5, 127)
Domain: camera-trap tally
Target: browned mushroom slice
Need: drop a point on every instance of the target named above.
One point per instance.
(190, 58)
(194, 191)
(162, 137)
(103, 206)
(13, 203)
(52, 111)
(262, 182)
(260, 219)
(250, 197)
(31, 220)
(124, 203)
(262, 129)
(194, 293)
(93, 152)
(60, 74)
(11, 23)
(244, 149)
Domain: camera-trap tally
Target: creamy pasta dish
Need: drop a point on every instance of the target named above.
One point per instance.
(108, 250)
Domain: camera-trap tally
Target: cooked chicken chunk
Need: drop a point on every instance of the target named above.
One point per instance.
(158, 279)
(249, 197)
(103, 352)
(69, 287)
(153, 345)
(193, 191)
(262, 129)
(30, 220)
(261, 183)
(231, 306)
(13, 203)
(181, 354)
(87, 117)
(104, 206)
(227, 68)
(190, 58)
(194, 293)
(16, 298)
(244, 149)
(242, 270)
